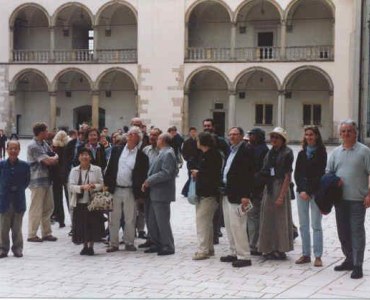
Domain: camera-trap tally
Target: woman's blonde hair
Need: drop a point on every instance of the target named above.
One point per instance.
(60, 139)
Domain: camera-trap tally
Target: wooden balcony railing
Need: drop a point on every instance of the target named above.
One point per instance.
(75, 56)
(258, 54)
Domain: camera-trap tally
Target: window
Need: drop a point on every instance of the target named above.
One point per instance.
(264, 114)
(91, 41)
(311, 114)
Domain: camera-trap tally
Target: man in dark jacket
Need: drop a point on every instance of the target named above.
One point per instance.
(238, 181)
(14, 179)
(258, 146)
(126, 172)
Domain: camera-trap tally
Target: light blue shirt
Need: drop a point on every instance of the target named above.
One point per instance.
(233, 150)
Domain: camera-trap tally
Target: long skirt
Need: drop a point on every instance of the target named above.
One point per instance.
(87, 225)
(276, 224)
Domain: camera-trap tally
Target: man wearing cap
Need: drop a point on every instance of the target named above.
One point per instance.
(238, 182)
(258, 145)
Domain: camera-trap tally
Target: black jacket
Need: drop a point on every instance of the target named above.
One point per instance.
(191, 153)
(209, 174)
(329, 193)
(308, 172)
(139, 173)
(259, 153)
(240, 176)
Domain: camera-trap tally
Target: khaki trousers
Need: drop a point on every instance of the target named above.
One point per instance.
(236, 228)
(11, 220)
(41, 209)
(123, 201)
(205, 210)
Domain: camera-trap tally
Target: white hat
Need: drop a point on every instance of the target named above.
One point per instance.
(280, 131)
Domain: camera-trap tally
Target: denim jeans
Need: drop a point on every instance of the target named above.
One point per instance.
(350, 216)
(304, 226)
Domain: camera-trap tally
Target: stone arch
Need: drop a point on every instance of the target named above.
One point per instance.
(205, 68)
(254, 69)
(298, 70)
(294, 3)
(253, 2)
(62, 7)
(54, 84)
(115, 69)
(196, 3)
(121, 2)
(25, 5)
(13, 82)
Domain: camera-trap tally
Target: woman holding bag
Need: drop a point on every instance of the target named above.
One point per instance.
(208, 180)
(83, 180)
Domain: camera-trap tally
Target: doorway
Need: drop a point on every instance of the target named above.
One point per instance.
(265, 42)
(219, 121)
(84, 114)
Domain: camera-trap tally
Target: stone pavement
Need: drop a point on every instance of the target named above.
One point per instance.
(56, 270)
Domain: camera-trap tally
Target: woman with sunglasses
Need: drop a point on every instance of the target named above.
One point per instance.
(276, 225)
(310, 166)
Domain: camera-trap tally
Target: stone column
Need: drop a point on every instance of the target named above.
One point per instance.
(137, 104)
(281, 109)
(233, 40)
(185, 113)
(333, 129)
(186, 40)
(283, 40)
(53, 110)
(96, 34)
(232, 109)
(95, 108)
(11, 123)
(11, 43)
(52, 44)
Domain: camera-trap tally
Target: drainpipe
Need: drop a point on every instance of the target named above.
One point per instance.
(361, 68)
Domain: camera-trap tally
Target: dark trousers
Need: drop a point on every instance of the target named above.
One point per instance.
(58, 201)
(2, 151)
(218, 220)
(11, 221)
(253, 223)
(350, 216)
(159, 225)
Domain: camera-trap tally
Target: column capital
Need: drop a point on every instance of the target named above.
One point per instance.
(52, 27)
(95, 93)
(281, 92)
(52, 93)
(283, 22)
(232, 92)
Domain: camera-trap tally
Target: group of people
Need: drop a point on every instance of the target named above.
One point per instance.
(239, 182)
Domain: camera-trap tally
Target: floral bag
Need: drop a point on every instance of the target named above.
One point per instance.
(101, 201)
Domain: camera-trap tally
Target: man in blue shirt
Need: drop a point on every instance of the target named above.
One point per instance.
(14, 179)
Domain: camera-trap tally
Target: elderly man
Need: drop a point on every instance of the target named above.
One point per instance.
(238, 182)
(40, 157)
(14, 179)
(351, 162)
(126, 171)
(161, 182)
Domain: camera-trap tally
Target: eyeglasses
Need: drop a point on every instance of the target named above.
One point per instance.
(347, 131)
(274, 137)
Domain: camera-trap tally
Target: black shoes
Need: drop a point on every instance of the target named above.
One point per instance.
(166, 252)
(357, 272)
(152, 249)
(256, 253)
(87, 251)
(142, 235)
(49, 238)
(228, 258)
(241, 263)
(147, 244)
(345, 266)
(3, 254)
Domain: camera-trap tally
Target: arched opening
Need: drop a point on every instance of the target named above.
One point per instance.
(209, 27)
(258, 31)
(256, 100)
(31, 38)
(74, 35)
(73, 90)
(117, 33)
(117, 95)
(82, 114)
(31, 101)
(310, 30)
(309, 94)
(208, 98)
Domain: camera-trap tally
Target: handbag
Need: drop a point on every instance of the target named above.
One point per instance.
(101, 201)
(192, 194)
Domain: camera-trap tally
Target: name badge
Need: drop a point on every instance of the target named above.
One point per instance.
(272, 171)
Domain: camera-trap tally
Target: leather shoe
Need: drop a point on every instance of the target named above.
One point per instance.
(49, 238)
(357, 272)
(241, 263)
(34, 239)
(228, 258)
(142, 235)
(166, 252)
(112, 249)
(344, 266)
(256, 253)
(84, 251)
(303, 260)
(147, 244)
(3, 254)
(152, 250)
(90, 251)
(17, 253)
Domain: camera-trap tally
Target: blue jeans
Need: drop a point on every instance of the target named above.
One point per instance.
(304, 226)
(350, 216)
